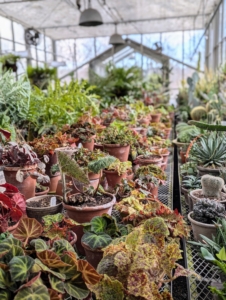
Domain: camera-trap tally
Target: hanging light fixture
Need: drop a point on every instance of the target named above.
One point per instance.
(90, 17)
(116, 39)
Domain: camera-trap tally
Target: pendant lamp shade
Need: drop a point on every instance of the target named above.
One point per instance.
(90, 17)
(116, 39)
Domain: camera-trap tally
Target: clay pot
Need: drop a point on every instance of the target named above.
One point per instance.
(196, 199)
(45, 192)
(165, 157)
(54, 178)
(93, 176)
(98, 146)
(119, 151)
(53, 183)
(151, 160)
(155, 118)
(39, 212)
(154, 191)
(84, 215)
(130, 175)
(182, 157)
(203, 171)
(113, 178)
(201, 228)
(89, 145)
(93, 256)
(171, 115)
(27, 187)
(140, 130)
(167, 133)
(163, 166)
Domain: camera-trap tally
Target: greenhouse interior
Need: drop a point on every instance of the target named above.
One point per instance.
(112, 150)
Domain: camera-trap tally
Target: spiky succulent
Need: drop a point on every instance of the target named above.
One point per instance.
(192, 182)
(208, 211)
(209, 150)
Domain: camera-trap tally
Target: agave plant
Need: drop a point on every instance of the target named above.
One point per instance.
(192, 182)
(209, 151)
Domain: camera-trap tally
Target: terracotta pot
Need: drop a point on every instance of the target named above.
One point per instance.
(154, 191)
(155, 118)
(27, 187)
(196, 199)
(45, 192)
(182, 157)
(93, 176)
(113, 178)
(171, 114)
(53, 183)
(163, 166)
(155, 160)
(165, 157)
(98, 146)
(130, 175)
(203, 171)
(201, 228)
(85, 214)
(39, 212)
(140, 130)
(89, 145)
(74, 239)
(167, 132)
(179, 144)
(93, 256)
(120, 152)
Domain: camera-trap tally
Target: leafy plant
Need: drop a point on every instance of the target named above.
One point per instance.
(208, 211)
(185, 135)
(9, 58)
(112, 135)
(209, 151)
(154, 170)
(32, 268)
(41, 77)
(128, 265)
(120, 167)
(12, 206)
(84, 131)
(100, 232)
(101, 163)
(189, 168)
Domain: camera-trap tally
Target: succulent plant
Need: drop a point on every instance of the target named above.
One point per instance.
(198, 112)
(209, 151)
(208, 211)
(191, 182)
(212, 186)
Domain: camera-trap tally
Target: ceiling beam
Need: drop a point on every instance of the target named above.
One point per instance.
(22, 1)
(127, 21)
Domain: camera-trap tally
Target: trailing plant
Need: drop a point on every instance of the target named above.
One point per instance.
(12, 206)
(208, 211)
(209, 151)
(9, 58)
(30, 267)
(128, 265)
(101, 231)
(120, 167)
(191, 182)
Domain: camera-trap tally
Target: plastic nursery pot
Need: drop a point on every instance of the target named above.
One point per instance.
(195, 199)
(27, 187)
(119, 151)
(155, 118)
(151, 160)
(113, 178)
(201, 228)
(39, 212)
(90, 144)
(93, 256)
(182, 157)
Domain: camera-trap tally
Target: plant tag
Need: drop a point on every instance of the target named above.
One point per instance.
(2, 177)
(20, 176)
(53, 201)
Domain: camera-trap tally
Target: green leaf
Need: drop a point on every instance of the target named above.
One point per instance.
(5, 295)
(207, 255)
(98, 224)
(222, 254)
(100, 164)
(78, 290)
(56, 284)
(3, 284)
(96, 241)
(39, 245)
(33, 293)
(14, 251)
(61, 246)
(19, 267)
(71, 270)
(7, 244)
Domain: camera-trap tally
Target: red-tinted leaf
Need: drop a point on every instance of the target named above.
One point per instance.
(6, 133)
(89, 274)
(5, 200)
(51, 259)
(3, 225)
(54, 295)
(30, 282)
(28, 228)
(10, 188)
(20, 202)
(15, 214)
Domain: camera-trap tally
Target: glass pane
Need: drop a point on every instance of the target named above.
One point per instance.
(224, 19)
(48, 44)
(49, 57)
(84, 50)
(102, 44)
(6, 46)
(33, 53)
(22, 66)
(41, 44)
(172, 44)
(19, 47)
(5, 28)
(18, 33)
(41, 55)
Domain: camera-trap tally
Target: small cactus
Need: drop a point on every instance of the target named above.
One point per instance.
(212, 186)
(198, 112)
